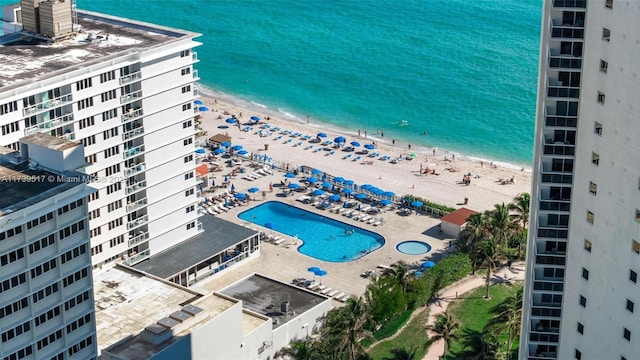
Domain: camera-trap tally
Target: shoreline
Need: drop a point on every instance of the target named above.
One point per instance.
(251, 106)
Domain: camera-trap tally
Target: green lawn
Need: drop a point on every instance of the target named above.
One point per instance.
(474, 312)
(414, 334)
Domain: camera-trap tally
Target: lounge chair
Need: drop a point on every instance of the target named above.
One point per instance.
(339, 295)
(287, 141)
(211, 211)
(365, 218)
(278, 240)
(277, 137)
(344, 298)
(326, 291)
(371, 220)
(346, 156)
(297, 144)
(313, 285)
(320, 288)
(332, 293)
(377, 223)
(309, 147)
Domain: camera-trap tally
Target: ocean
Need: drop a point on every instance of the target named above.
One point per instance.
(463, 72)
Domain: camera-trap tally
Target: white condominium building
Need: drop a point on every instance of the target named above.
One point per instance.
(46, 289)
(125, 90)
(583, 254)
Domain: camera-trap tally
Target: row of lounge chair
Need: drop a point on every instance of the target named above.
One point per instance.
(258, 174)
(327, 291)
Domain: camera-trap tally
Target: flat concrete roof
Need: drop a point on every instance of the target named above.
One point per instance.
(218, 236)
(264, 296)
(27, 59)
(50, 142)
(21, 187)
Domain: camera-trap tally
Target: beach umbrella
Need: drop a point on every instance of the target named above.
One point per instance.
(348, 182)
(293, 186)
(339, 140)
(213, 183)
(233, 187)
(198, 102)
(321, 135)
(313, 269)
(327, 185)
(312, 180)
(360, 196)
(226, 178)
(347, 191)
(317, 192)
(417, 273)
(334, 198)
(369, 146)
(271, 225)
(428, 264)
(203, 108)
(200, 151)
(236, 147)
(230, 121)
(417, 204)
(253, 190)
(225, 144)
(218, 151)
(385, 202)
(366, 186)
(355, 143)
(377, 191)
(289, 175)
(241, 170)
(240, 196)
(320, 273)
(388, 194)
(316, 172)
(338, 179)
(242, 152)
(255, 118)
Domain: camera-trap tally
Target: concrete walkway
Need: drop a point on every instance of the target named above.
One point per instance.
(516, 273)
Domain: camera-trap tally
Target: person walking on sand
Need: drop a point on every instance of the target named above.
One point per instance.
(358, 132)
(409, 145)
(434, 151)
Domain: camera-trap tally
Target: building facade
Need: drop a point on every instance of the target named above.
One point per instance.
(125, 90)
(46, 288)
(583, 253)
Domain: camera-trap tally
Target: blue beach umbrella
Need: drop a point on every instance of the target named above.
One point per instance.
(348, 182)
(334, 198)
(327, 185)
(355, 143)
(360, 196)
(417, 204)
(293, 186)
(316, 172)
(236, 147)
(369, 146)
(388, 194)
(203, 108)
(417, 273)
(230, 121)
(366, 186)
(225, 144)
(255, 118)
(428, 264)
(218, 151)
(338, 179)
(312, 180)
(242, 152)
(200, 151)
(321, 135)
(347, 191)
(253, 190)
(385, 202)
(198, 102)
(289, 175)
(317, 192)
(240, 196)
(340, 140)
(313, 269)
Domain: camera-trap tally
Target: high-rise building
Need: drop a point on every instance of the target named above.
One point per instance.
(125, 90)
(46, 288)
(583, 254)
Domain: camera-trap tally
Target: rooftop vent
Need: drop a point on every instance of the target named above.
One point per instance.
(284, 306)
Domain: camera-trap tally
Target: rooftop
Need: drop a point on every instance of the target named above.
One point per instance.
(218, 236)
(264, 296)
(459, 216)
(26, 58)
(51, 142)
(22, 186)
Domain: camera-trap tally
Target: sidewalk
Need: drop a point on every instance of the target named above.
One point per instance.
(516, 273)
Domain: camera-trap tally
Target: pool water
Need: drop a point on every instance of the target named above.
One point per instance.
(413, 247)
(323, 238)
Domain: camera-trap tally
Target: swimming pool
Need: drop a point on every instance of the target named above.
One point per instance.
(323, 238)
(413, 247)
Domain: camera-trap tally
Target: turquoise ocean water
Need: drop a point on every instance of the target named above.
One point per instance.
(463, 70)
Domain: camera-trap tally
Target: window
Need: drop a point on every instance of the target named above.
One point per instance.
(16, 331)
(186, 107)
(186, 124)
(93, 196)
(114, 187)
(606, 34)
(79, 346)
(91, 159)
(76, 300)
(185, 71)
(41, 220)
(48, 291)
(601, 97)
(635, 246)
(10, 107)
(578, 355)
(630, 305)
(12, 256)
(78, 323)
(114, 205)
(89, 140)
(188, 159)
(608, 4)
(49, 339)
(83, 84)
(633, 276)
(13, 282)
(184, 53)
(637, 215)
(73, 253)
(108, 76)
(585, 274)
(627, 334)
(583, 301)
(85, 103)
(113, 169)
(580, 328)
(190, 208)
(95, 232)
(11, 232)
(109, 114)
(186, 89)
(10, 128)
(65, 209)
(115, 223)
(597, 128)
(14, 307)
(188, 176)
(187, 141)
(114, 150)
(587, 245)
(47, 316)
(595, 158)
(604, 66)
(593, 188)
(110, 133)
(109, 95)
(590, 217)
(43, 268)
(116, 241)
(42, 243)
(75, 277)
(191, 225)
(188, 193)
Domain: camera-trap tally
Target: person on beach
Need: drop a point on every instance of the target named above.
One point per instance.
(434, 151)
(365, 134)
(381, 133)
(307, 119)
(358, 132)
(409, 146)
(393, 141)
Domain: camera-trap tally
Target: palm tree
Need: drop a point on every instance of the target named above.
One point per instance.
(508, 317)
(481, 346)
(490, 254)
(520, 208)
(345, 327)
(403, 354)
(444, 328)
(399, 271)
(500, 224)
(475, 231)
(298, 350)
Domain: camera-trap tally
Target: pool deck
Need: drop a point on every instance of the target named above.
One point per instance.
(285, 263)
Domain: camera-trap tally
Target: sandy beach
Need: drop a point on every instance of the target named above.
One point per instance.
(489, 183)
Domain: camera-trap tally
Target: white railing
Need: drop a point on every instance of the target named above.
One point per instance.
(137, 257)
(137, 222)
(194, 56)
(131, 97)
(138, 239)
(136, 205)
(131, 77)
(132, 115)
(135, 151)
(48, 104)
(136, 187)
(69, 136)
(195, 75)
(61, 120)
(200, 226)
(133, 133)
(135, 169)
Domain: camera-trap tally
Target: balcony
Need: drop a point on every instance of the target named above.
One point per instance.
(135, 169)
(130, 78)
(200, 226)
(141, 237)
(133, 133)
(69, 136)
(47, 105)
(550, 260)
(137, 257)
(138, 222)
(134, 151)
(580, 4)
(195, 75)
(548, 286)
(567, 32)
(61, 120)
(555, 205)
(140, 185)
(194, 56)
(132, 115)
(127, 98)
(137, 205)
(564, 61)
